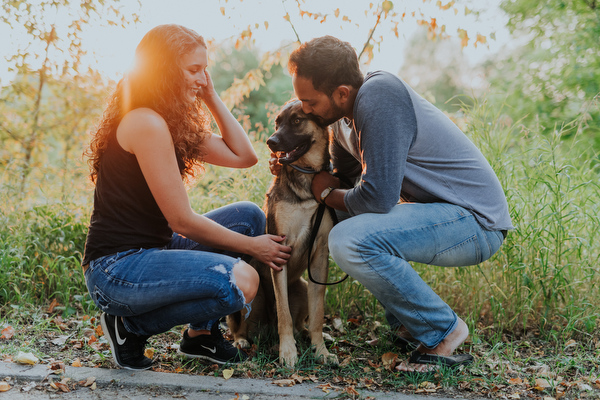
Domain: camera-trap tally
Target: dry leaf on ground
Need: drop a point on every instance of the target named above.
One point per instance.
(26, 358)
(4, 387)
(8, 332)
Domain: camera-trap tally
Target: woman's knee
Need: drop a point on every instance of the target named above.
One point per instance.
(246, 279)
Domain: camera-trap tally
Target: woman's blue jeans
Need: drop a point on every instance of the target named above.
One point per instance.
(375, 249)
(184, 282)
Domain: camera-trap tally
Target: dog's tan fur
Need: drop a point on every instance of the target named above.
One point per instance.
(291, 210)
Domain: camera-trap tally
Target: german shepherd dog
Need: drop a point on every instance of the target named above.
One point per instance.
(284, 296)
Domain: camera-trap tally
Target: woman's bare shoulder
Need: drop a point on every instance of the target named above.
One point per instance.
(141, 124)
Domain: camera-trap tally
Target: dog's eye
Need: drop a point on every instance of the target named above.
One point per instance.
(296, 121)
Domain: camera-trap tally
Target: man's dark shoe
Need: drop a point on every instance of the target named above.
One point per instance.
(404, 345)
(213, 347)
(127, 348)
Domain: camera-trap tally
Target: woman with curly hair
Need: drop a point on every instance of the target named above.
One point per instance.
(151, 262)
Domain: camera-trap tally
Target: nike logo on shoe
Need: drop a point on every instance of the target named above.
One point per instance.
(213, 350)
(120, 341)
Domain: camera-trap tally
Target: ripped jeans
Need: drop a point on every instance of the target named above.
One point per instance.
(184, 282)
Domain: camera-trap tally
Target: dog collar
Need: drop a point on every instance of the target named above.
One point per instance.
(304, 170)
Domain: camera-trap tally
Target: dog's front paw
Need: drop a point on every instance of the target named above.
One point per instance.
(288, 355)
(325, 357)
(242, 344)
(329, 359)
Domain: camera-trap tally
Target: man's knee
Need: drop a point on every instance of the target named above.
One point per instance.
(340, 244)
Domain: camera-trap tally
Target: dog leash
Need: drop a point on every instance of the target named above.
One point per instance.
(317, 225)
(313, 237)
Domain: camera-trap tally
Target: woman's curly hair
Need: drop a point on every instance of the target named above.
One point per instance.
(157, 82)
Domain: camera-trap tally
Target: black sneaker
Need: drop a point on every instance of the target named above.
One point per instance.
(211, 347)
(127, 348)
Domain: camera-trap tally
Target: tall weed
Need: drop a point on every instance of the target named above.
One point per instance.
(543, 277)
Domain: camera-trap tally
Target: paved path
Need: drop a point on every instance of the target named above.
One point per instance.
(143, 385)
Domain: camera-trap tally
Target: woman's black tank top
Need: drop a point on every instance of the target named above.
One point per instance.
(125, 214)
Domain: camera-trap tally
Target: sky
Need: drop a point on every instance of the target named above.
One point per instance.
(110, 48)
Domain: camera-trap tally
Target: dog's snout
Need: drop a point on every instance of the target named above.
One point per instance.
(272, 142)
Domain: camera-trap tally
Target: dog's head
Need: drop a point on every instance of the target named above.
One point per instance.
(299, 137)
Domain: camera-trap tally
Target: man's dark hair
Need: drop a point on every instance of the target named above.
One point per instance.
(328, 62)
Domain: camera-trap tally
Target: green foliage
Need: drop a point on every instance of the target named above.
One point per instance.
(544, 275)
(40, 254)
(554, 76)
(232, 65)
(50, 98)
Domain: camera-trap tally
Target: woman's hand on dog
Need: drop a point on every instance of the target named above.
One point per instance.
(269, 250)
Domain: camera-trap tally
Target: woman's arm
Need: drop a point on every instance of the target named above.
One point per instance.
(232, 148)
(144, 133)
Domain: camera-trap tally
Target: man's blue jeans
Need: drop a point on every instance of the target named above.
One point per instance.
(184, 282)
(375, 249)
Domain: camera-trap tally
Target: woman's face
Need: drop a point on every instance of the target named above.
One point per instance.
(194, 70)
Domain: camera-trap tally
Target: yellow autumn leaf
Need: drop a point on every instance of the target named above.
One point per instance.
(26, 358)
(389, 360)
(149, 352)
(227, 373)
(4, 386)
(223, 10)
(76, 363)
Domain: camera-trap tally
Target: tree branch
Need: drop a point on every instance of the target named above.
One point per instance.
(290, 21)
(371, 32)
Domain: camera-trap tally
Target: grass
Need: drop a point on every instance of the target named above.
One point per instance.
(532, 308)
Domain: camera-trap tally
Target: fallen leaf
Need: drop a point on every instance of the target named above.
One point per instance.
(389, 360)
(57, 365)
(352, 392)
(149, 352)
(8, 332)
(227, 373)
(338, 325)
(53, 304)
(99, 331)
(326, 387)
(284, 382)
(584, 386)
(541, 384)
(570, 343)
(91, 340)
(4, 386)
(61, 340)
(88, 382)
(514, 396)
(26, 358)
(62, 387)
(515, 381)
(76, 363)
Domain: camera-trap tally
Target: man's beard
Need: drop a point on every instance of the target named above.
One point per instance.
(336, 113)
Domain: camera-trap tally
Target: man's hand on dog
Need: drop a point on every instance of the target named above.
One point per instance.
(270, 251)
(274, 165)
